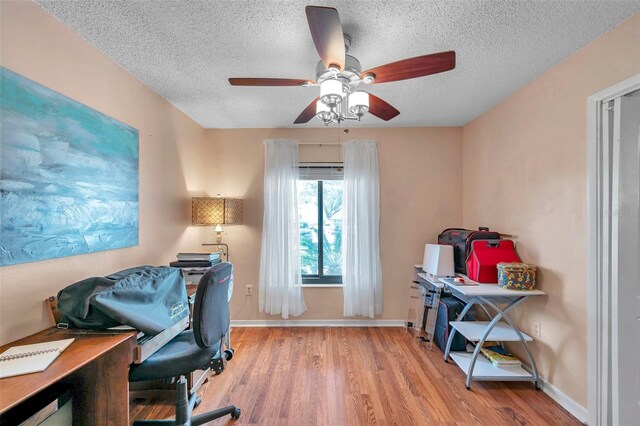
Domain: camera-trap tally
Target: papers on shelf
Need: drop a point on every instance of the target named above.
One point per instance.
(499, 357)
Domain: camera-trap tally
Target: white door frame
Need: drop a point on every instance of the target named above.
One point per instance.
(599, 283)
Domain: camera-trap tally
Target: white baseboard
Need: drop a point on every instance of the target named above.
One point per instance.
(319, 323)
(577, 410)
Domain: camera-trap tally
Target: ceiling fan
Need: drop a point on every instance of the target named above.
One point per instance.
(340, 76)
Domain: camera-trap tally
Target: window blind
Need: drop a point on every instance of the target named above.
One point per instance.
(321, 171)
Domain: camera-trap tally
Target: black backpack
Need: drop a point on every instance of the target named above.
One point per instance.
(460, 239)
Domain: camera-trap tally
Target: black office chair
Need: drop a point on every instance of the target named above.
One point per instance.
(201, 347)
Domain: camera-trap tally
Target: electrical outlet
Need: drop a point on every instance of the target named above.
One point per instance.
(248, 290)
(537, 330)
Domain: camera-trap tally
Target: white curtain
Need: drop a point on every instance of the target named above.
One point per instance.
(280, 281)
(362, 273)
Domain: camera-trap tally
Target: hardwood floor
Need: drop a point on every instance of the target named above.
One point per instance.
(356, 376)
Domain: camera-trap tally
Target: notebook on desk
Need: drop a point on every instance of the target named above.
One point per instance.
(34, 358)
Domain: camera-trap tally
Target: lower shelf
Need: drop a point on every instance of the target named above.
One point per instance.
(484, 370)
(474, 330)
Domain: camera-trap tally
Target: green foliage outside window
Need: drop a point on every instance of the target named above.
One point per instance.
(330, 222)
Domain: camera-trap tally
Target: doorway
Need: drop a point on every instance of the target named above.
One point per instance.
(614, 255)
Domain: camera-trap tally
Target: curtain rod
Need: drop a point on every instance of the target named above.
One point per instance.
(322, 143)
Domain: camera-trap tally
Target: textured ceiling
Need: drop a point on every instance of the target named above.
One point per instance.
(186, 50)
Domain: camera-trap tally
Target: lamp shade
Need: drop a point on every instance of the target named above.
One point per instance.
(359, 99)
(207, 211)
(438, 260)
(331, 92)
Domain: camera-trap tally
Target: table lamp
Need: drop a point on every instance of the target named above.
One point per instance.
(438, 260)
(216, 211)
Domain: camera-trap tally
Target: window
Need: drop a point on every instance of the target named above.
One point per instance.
(320, 216)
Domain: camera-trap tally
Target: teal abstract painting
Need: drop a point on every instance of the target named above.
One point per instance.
(68, 176)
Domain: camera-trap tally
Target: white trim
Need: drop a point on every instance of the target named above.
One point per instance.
(319, 323)
(622, 88)
(576, 410)
(598, 256)
(615, 238)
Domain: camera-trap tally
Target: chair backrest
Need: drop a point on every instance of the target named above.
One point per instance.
(211, 306)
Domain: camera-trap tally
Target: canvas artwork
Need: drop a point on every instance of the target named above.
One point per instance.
(68, 176)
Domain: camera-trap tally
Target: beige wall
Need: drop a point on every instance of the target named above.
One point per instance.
(39, 47)
(525, 174)
(420, 194)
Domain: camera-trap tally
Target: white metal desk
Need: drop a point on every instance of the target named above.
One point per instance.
(500, 328)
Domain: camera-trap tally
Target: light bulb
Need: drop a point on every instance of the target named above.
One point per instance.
(324, 113)
(369, 78)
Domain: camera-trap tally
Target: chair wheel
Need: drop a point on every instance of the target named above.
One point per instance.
(236, 414)
(228, 354)
(468, 387)
(198, 401)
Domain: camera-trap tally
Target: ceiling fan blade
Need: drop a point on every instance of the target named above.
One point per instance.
(308, 113)
(413, 67)
(326, 31)
(381, 109)
(267, 82)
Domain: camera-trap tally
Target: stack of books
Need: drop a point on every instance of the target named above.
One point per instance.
(499, 356)
(194, 261)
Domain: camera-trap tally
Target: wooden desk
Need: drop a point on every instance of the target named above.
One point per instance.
(96, 367)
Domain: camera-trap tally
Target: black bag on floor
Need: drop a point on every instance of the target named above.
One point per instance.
(448, 310)
(149, 299)
(460, 239)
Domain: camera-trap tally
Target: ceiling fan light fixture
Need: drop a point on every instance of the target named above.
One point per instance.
(359, 103)
(331, 92)
(324, 113)
(339, 74)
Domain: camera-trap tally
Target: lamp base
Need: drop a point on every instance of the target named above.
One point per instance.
(218, 237)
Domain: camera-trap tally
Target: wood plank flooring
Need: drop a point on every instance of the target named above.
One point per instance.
(356, 376)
